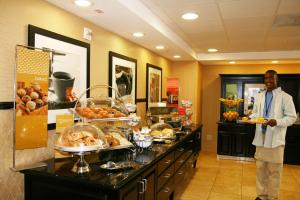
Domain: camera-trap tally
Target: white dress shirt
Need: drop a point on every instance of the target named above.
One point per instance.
(282, 110)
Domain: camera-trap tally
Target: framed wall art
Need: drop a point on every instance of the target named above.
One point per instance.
(69, 71)
(153, 84)
(122, 77)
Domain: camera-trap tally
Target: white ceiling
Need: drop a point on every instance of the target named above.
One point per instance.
(248, 31)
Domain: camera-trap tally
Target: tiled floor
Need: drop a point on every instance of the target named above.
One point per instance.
(235, 180)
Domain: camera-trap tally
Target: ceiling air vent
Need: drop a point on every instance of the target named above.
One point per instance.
(287, 20)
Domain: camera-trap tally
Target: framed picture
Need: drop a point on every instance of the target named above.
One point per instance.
(69, 71)
(122, 77)
(153, 84)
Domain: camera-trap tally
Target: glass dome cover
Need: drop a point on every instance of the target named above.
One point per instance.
(116, 139)
(101, 108)
(80, 138)
(162, 130)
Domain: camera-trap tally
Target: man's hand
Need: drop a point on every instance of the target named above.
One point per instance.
(271, 122)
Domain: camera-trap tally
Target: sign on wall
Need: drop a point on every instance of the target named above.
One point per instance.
(172, 91)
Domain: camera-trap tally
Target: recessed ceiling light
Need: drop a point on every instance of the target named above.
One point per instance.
(83, 3)
(212, 50)
(189, 16)
(177, 56)
(160, 47)
(275, 61)
(138, 34)
(231, 62)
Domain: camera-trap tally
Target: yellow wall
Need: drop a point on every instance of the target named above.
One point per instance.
(15, 16)
(189, 74)
(212, 91)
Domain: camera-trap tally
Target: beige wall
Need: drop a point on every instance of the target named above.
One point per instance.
(199, 83)
(212, 91)
(189, 74)
(15, 16)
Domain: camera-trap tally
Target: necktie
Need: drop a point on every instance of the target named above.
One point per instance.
(267, 108)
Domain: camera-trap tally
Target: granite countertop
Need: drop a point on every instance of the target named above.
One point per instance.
(141, 160)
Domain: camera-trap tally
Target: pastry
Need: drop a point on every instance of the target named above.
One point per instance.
(112, 141)
(31, 100)
(31, 105)
(80, 138)
(34, 95)
(26, 98)
(98, 112)
(21, 92)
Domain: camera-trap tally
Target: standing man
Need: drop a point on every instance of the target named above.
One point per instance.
(278, 110)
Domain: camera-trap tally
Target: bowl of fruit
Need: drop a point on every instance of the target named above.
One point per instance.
(231, 103)
(230, 116)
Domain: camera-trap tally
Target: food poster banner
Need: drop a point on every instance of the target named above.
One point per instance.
(63, 121)
(172, 92)
(31, 108)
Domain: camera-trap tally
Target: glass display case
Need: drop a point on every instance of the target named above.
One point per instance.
(81, 139)
(99, 118)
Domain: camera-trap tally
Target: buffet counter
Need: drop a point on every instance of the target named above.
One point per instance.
(154, 173)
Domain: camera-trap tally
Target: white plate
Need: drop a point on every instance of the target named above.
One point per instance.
(79, 149)
(251, 121)
(90, 148)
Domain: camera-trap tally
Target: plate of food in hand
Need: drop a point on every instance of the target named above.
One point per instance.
(259, 120)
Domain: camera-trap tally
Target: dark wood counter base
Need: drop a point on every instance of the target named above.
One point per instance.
(236, 140)
(156, 174)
